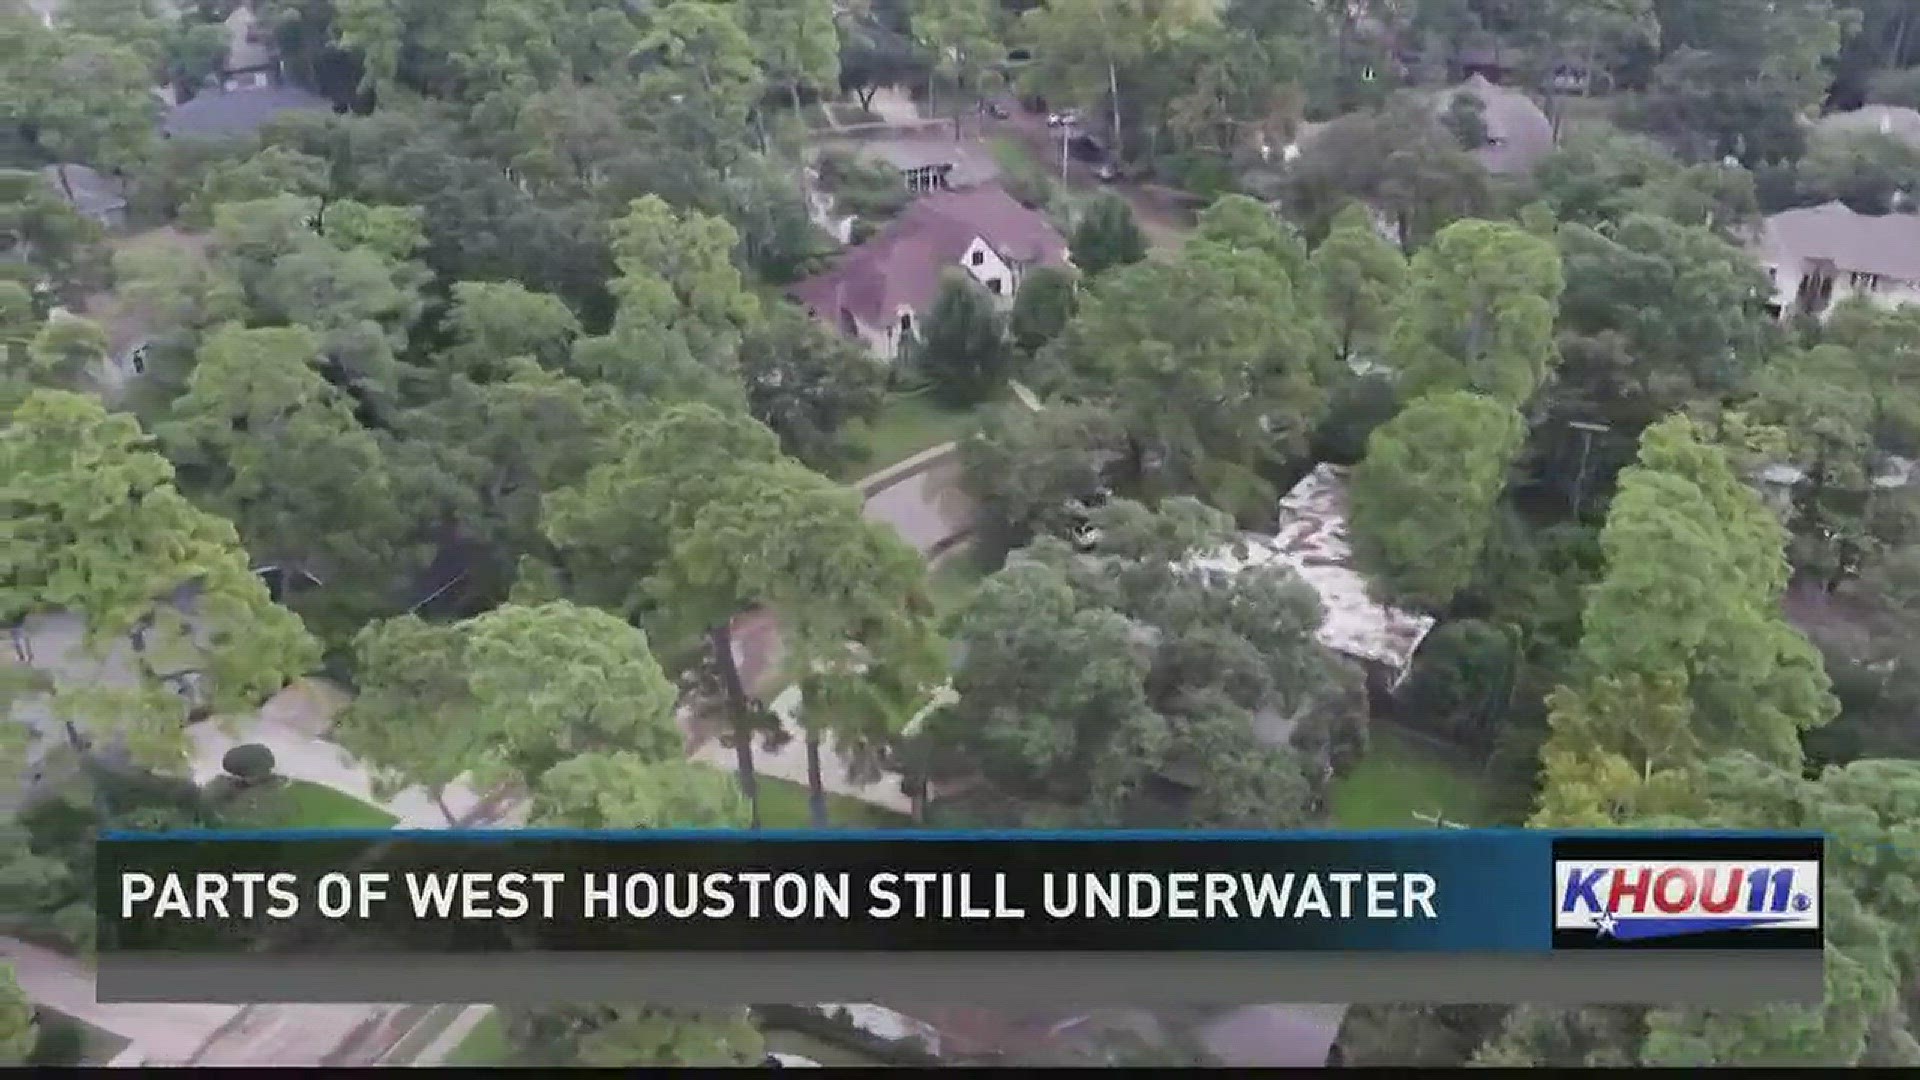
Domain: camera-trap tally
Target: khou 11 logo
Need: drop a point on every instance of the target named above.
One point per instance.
(1641, 899)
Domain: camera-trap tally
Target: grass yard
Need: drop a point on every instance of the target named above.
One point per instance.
(301, 804)
(814, 115)
(1400, 777)
(486, 1044)
(849, 113)
(906, 425)
(783, 805)
(65, 1040)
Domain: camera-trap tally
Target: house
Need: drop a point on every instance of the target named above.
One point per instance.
(1894, 121)
(251, 62)
(1312, 541)
(92, 194)
(937, 164)
(879, 290)
(50, 651)
(1817, 256)
(238, 113)
(1518, 132)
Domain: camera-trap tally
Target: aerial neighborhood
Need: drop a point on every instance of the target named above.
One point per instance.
(960, 414)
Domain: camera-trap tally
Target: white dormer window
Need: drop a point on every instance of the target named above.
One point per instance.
(979, 257)
(906, 323)
(1860, 279)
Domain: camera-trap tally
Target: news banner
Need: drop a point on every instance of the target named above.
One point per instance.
(926, 917)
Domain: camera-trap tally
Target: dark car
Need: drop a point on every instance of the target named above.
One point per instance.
(997, 110)
(1086, 148)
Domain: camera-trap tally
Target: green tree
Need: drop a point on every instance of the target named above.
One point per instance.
(1395, 158)
(683, 305)
(554, 681)
(98, 530)
(1106, 236)
(1866, 809)
(1043, 307)
(411, 721)
(962, 346)
(64, 350)
(809, 384)
(1360, 276)
(18, 1031)
(495, 449)
(958, 38)
(1085, 50)
(1478, 313)
(627, 790)
(1209, 361)
(1026, 468)
(615, 529)
(799, 43)
(491, 322)
(1423, 498)
(849, 596)
(83, 99)
(267, 440)
(624, 790)
(1870, 172)
(1083, 676)
(1688, 605)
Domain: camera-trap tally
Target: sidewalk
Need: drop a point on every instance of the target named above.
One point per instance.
(160, 1032)
(292, 725)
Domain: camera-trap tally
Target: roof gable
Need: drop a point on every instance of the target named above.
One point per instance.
(902, 266)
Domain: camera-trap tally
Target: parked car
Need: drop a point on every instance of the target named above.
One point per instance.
(1107, 172)
(1065, 118)
(997, 110)
(1087, 149)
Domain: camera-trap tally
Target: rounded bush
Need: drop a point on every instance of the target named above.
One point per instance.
(251, 762)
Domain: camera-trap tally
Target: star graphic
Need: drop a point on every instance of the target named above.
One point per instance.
(1605, 923)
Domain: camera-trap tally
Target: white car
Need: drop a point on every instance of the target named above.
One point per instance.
(1063, 119)
(790, 1061)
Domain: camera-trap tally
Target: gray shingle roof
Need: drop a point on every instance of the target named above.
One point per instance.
(1899, 122)
(1885, 244)
(94, 193)
(239, 112)
(1520, 131)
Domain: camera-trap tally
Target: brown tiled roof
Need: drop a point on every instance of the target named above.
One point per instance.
(902, 265)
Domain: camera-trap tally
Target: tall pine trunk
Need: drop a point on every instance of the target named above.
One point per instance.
(816, 784)
(740, 712)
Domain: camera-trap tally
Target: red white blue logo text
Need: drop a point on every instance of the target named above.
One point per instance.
(1634, 900)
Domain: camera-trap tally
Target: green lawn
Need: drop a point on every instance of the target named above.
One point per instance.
(783, 805)
(66, 1040)
(906, 425)
(1400, 777)
(849, 113)
(486, 1044)
(815, 115)
(301, 804)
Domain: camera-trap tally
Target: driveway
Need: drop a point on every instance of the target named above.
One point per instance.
(164, 1032)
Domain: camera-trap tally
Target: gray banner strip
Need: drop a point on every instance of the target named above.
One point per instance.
(1728, 979)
